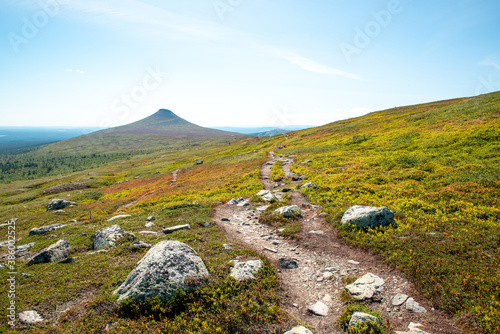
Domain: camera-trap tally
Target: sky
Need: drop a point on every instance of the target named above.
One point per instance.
(103, 63)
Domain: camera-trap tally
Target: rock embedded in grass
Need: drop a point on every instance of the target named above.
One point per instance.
(168, 230)
(243, 271)
(58, 204)
(167, 268)
(29, 317)
(117, 217)
(45, 229)
(289, 211)
(107, 237)
(367, 216)
(359, 317)
(55, 252)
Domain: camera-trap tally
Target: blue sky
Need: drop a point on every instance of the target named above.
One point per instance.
(239, 62)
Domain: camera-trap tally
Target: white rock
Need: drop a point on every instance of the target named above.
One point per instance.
(117, 217)
(353, 262)
(399, 299)
(319, 309)
(412, 305)
(29, 317)
(299, 330)
(365, 287)
(413, 329)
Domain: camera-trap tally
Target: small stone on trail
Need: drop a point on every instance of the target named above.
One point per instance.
(271, 250)
(299, 330)
(287, 263)
(413, 329)
(225, 219)
(399, 299)
(353, 262)
(317, 232)
(413, 306)
(366, 287)
(319, 309)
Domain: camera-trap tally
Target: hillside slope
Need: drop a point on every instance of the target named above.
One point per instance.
(164, 130)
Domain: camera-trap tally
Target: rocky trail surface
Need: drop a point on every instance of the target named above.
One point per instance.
(312, 290)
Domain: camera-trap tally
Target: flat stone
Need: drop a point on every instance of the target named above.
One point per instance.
(118, 217)
(149, 224)
(244, 270)
(270, 250)
(141, 244)
(151, 218)
(225, 219)
(148, 232)
(29, 317)
(353, 262)
(46, 229)
(319, 309)
(58, 204)
(227, 247)
(317, 232)
(232, 202)
(413, 306)
(168, 230)
(399, 299)
(243, 204)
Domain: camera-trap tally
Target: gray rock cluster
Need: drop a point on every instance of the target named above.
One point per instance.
(267, 196)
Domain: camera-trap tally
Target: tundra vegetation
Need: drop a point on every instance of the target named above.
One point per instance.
(436, 165)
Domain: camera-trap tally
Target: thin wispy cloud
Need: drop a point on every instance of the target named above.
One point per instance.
(490, 61)
(154, 19)
(78, 71)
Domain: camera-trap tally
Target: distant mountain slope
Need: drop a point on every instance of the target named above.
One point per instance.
(164, 129)
(271, 133)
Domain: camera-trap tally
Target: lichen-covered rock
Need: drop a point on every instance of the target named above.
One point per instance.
(244, 270)
(366, 287)
(168, 267)
(45, 229)
(413, 306)
(367, 216)
(289, 211)
(58, 204)
(55, 252)
(107, 237)
(358, 317)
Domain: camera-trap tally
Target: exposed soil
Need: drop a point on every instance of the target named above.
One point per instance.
(317, 253)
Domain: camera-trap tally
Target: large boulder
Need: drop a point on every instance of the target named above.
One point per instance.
(168, 267)
(107, 237)
(58, 204)
(367, 216)
(289, 211)
(55, 252)
(366, 287)
(244, 270)
(45, 229)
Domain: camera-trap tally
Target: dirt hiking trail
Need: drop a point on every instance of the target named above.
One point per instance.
(323, 260)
